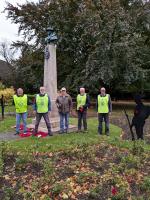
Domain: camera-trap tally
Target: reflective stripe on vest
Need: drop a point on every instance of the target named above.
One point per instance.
(20, 103)
(81, 100)
(103, 104)
(42, 103)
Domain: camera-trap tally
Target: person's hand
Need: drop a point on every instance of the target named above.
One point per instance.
(34, 112)
(109, 113)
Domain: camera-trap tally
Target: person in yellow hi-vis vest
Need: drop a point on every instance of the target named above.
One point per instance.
(83, 102)
(42, 107)
(21, 105)
(104, 108)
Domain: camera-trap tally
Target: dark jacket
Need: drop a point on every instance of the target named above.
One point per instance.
(64, 103)
(141, 113)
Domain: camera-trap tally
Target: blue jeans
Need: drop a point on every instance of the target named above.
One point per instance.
(64, 121)
(24, 119)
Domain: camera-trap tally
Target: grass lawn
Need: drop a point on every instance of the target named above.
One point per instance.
(57, 142)
(67, 141)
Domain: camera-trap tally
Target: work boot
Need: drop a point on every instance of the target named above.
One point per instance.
(66, 131)
(50, 134)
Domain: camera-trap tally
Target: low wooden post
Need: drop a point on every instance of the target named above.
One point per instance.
(2, 106)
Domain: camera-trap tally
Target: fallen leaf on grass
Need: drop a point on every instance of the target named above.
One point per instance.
(65, 196)
(43, 197)
(6, 177)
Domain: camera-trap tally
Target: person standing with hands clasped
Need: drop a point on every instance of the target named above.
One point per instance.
(64, 105)
(20, 101)
(83, 102)
(42, 107)
(104, 108)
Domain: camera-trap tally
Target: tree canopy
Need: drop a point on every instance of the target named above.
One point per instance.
(101, 42)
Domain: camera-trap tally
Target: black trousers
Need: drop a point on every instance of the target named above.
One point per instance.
(102, 116)
(82, 116)
(139, 131)
(46, 118)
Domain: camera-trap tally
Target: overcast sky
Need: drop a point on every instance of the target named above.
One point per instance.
(9, 31)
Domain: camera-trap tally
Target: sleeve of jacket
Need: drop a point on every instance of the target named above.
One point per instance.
(97, 104)
(34, 104)
(70, 103)
(13, 103)
(57, 103)
(87, 105)
(49, 104)
(110, 104)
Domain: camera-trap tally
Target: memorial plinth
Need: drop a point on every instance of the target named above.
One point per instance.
(50, 84)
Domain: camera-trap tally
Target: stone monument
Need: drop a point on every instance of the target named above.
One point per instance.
(50, 82)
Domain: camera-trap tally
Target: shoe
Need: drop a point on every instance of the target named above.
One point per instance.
(16, 133)
(66, 131)
(107, 134)
(50, 134)
(78, 131)
(61, 132)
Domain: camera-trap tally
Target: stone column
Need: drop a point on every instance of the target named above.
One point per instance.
(50, 81)
(50, 84)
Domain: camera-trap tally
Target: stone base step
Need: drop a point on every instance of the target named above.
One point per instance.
(72, 128)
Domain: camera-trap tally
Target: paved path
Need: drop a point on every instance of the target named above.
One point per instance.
(8, 136)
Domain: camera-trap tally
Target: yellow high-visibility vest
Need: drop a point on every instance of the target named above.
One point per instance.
(42, 103)
(81, 100)
(21, 104)
(103, 104)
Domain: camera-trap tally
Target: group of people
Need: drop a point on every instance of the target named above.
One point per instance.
(42, 108)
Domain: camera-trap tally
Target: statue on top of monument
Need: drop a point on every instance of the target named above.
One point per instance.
(52, 37)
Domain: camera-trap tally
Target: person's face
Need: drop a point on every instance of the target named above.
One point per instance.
(42, 90)
(20, 92)
(103, 91)
(82, 91)
(63, 92)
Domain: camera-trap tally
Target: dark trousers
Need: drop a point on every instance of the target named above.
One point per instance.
(101, 117)
(46, 118)
(139, 131)
(82, 117)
